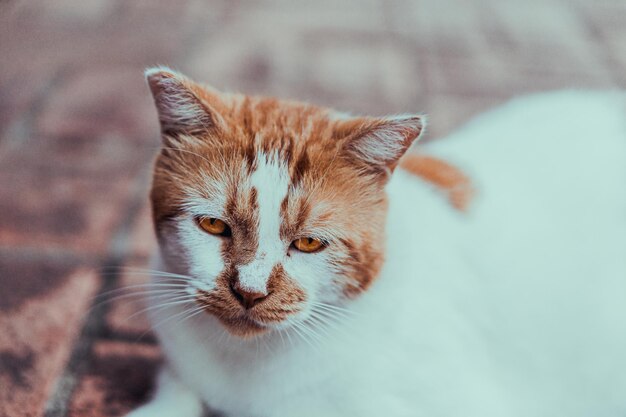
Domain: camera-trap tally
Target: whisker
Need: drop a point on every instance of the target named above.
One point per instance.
(187, 151)
(221, 337)
(177, 301)
(141, 286)
(160, 323)
(190, 313)
(288, 336)
(133, 297)
(332, 307)
(149, 272)
(329, 314)
(322, 324)
(299, 334)
(347, 314)
(282, 339)
(137, 295)
(116, 295)
(313, 331)
(160, 279)
(306, 335)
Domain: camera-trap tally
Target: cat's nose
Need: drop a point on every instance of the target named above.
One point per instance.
(246, 298)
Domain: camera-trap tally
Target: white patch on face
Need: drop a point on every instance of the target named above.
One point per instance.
(204, 254)
(314, 274)
(271, 181)
(204, 250)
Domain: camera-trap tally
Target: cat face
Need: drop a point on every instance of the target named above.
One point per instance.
(273, 209)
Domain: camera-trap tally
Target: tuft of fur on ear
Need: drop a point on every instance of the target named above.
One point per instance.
(380, 143)
(179, 103)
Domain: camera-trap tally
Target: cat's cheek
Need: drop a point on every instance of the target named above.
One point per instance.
(314, 273)
(202, 252)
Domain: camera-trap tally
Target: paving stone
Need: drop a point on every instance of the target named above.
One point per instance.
(72, 12)
(99, 102)
(120, 376)
(42, 305)
(88, 158)
(31, 42)
(353, 71)
(34, 39)
(449, 112)
(18, 94)
(143, 242)
(492, 77)
(363, 73)
(439, 24)
(271, 61)
(127, 316)
(45, 209)
(302, 16)
(604, 21)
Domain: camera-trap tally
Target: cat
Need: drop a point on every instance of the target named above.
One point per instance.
(311, 270)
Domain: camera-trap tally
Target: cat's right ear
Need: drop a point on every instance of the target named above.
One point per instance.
(184, 107)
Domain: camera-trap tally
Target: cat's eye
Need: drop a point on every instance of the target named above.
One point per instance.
(214, 226)
(308, 244)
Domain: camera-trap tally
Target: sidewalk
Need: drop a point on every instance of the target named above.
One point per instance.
(78, 134)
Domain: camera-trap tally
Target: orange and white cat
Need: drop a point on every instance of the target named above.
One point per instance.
(308, 271)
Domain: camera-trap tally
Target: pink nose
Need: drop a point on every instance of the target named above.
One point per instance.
(247, 299)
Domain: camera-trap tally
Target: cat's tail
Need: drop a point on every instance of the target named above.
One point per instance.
(447, 178)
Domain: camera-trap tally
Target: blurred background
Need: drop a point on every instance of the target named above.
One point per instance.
(78, 134)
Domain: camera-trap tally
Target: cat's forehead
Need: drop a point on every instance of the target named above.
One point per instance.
(269, 191)
(264, 136)
(294, 131)
(270, 120)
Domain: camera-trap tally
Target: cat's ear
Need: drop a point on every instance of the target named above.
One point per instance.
(380, 143)
(184, 107)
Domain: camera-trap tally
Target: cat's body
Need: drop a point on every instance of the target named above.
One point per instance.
(515, 306)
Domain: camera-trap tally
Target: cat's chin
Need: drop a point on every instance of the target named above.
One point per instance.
(243, 327)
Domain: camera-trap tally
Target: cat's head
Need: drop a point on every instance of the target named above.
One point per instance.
(274, 209)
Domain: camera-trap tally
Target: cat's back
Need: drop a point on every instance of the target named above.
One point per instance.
(549, 173)
(526, 289)
(567, 149)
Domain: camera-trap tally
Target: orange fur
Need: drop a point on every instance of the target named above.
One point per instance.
(448, 178)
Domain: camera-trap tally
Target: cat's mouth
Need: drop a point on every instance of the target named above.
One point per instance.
(245, 322)
(243, 326)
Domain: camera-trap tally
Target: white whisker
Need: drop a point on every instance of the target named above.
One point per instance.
(141, 286)
(150, 272)
(182, 313)
(173, 302)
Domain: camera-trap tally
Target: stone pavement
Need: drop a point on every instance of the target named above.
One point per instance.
(78, 134)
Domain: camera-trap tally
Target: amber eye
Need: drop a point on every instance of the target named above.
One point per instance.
(308, 244)
(214, 226)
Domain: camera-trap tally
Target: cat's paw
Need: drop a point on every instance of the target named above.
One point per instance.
(161, 409)
(171, 399)
(145, 411)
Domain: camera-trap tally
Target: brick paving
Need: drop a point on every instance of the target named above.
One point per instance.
(78, 134)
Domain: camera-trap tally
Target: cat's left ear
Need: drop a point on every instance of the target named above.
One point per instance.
(184, 107)
(380, 143)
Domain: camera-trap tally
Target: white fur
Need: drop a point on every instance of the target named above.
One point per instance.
(171, 399)
(271, 180)
(517, 308)
(203, 250)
